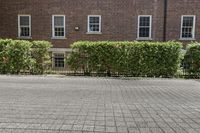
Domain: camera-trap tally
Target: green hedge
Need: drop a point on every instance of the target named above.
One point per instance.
(39, 52)
(20, 56)
(126, 58)
(192, 59)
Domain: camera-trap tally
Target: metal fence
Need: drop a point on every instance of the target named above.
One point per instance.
(182, 73)
(59, 67)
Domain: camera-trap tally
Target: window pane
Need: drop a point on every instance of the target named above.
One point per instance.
(59, 21)
(144, 26)
(94, 20)
(59, 60)
(144, 21)
(24, 31)
(94, 27)
(59, 31)
(24, 20)
(144, 32)
(188, 21)
(187, 27)
(187, 32)
(94, 24)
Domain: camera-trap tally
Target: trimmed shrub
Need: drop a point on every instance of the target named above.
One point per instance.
(21, 56)
(126, 58)
(15, 56)
(192, 60)
(4, 60)
(39, 52)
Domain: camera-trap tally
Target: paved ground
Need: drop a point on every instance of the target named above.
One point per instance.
(100, 105)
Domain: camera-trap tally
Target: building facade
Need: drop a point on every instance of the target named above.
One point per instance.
(63, 22)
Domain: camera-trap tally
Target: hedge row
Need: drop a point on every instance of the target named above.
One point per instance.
(124, 58)
(192, 60)
(20, 56)
(127, 58)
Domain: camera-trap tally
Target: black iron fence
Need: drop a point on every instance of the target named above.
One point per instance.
(183, 74)
(58, 66)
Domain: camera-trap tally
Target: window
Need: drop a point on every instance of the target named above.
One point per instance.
(187, 27)
(59, 60)
(24, 26)
(94, 23)
(144, 26)
(58, 26)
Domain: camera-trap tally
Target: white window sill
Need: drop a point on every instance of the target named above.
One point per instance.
(187, 39)
(144, 39)
(58, 38)
(94, 33)
(60, 50)
(58, 67)
(24, 37)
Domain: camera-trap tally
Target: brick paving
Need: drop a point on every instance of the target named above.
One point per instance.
(98, 105)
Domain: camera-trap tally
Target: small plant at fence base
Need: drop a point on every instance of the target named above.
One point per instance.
(192, 60)
(126, 58)
(20, 56)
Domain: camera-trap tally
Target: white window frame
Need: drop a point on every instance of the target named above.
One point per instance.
(53, 27)
(88, 25)
(19, 26)
(53, 63)
(150, 28)
(193, 29)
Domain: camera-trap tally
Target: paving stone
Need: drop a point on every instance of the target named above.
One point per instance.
(133, 130)
(100, 123)
(156, 130)
(88, 128)
(78, 127)
(39, 104)
(99, 129)
(180, 130)
(66, 127)
(145, 130)
(122, 129)
(110, 123)
(111, 129)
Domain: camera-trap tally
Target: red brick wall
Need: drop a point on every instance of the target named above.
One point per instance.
(119, 18)
(175, 10)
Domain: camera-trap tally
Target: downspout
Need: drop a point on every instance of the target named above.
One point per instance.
(165, 20)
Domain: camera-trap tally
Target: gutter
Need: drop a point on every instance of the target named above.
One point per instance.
(165, 20)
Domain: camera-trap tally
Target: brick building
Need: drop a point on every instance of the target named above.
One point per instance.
(64, 21)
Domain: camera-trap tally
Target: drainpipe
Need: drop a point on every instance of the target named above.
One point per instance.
(165, 20)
